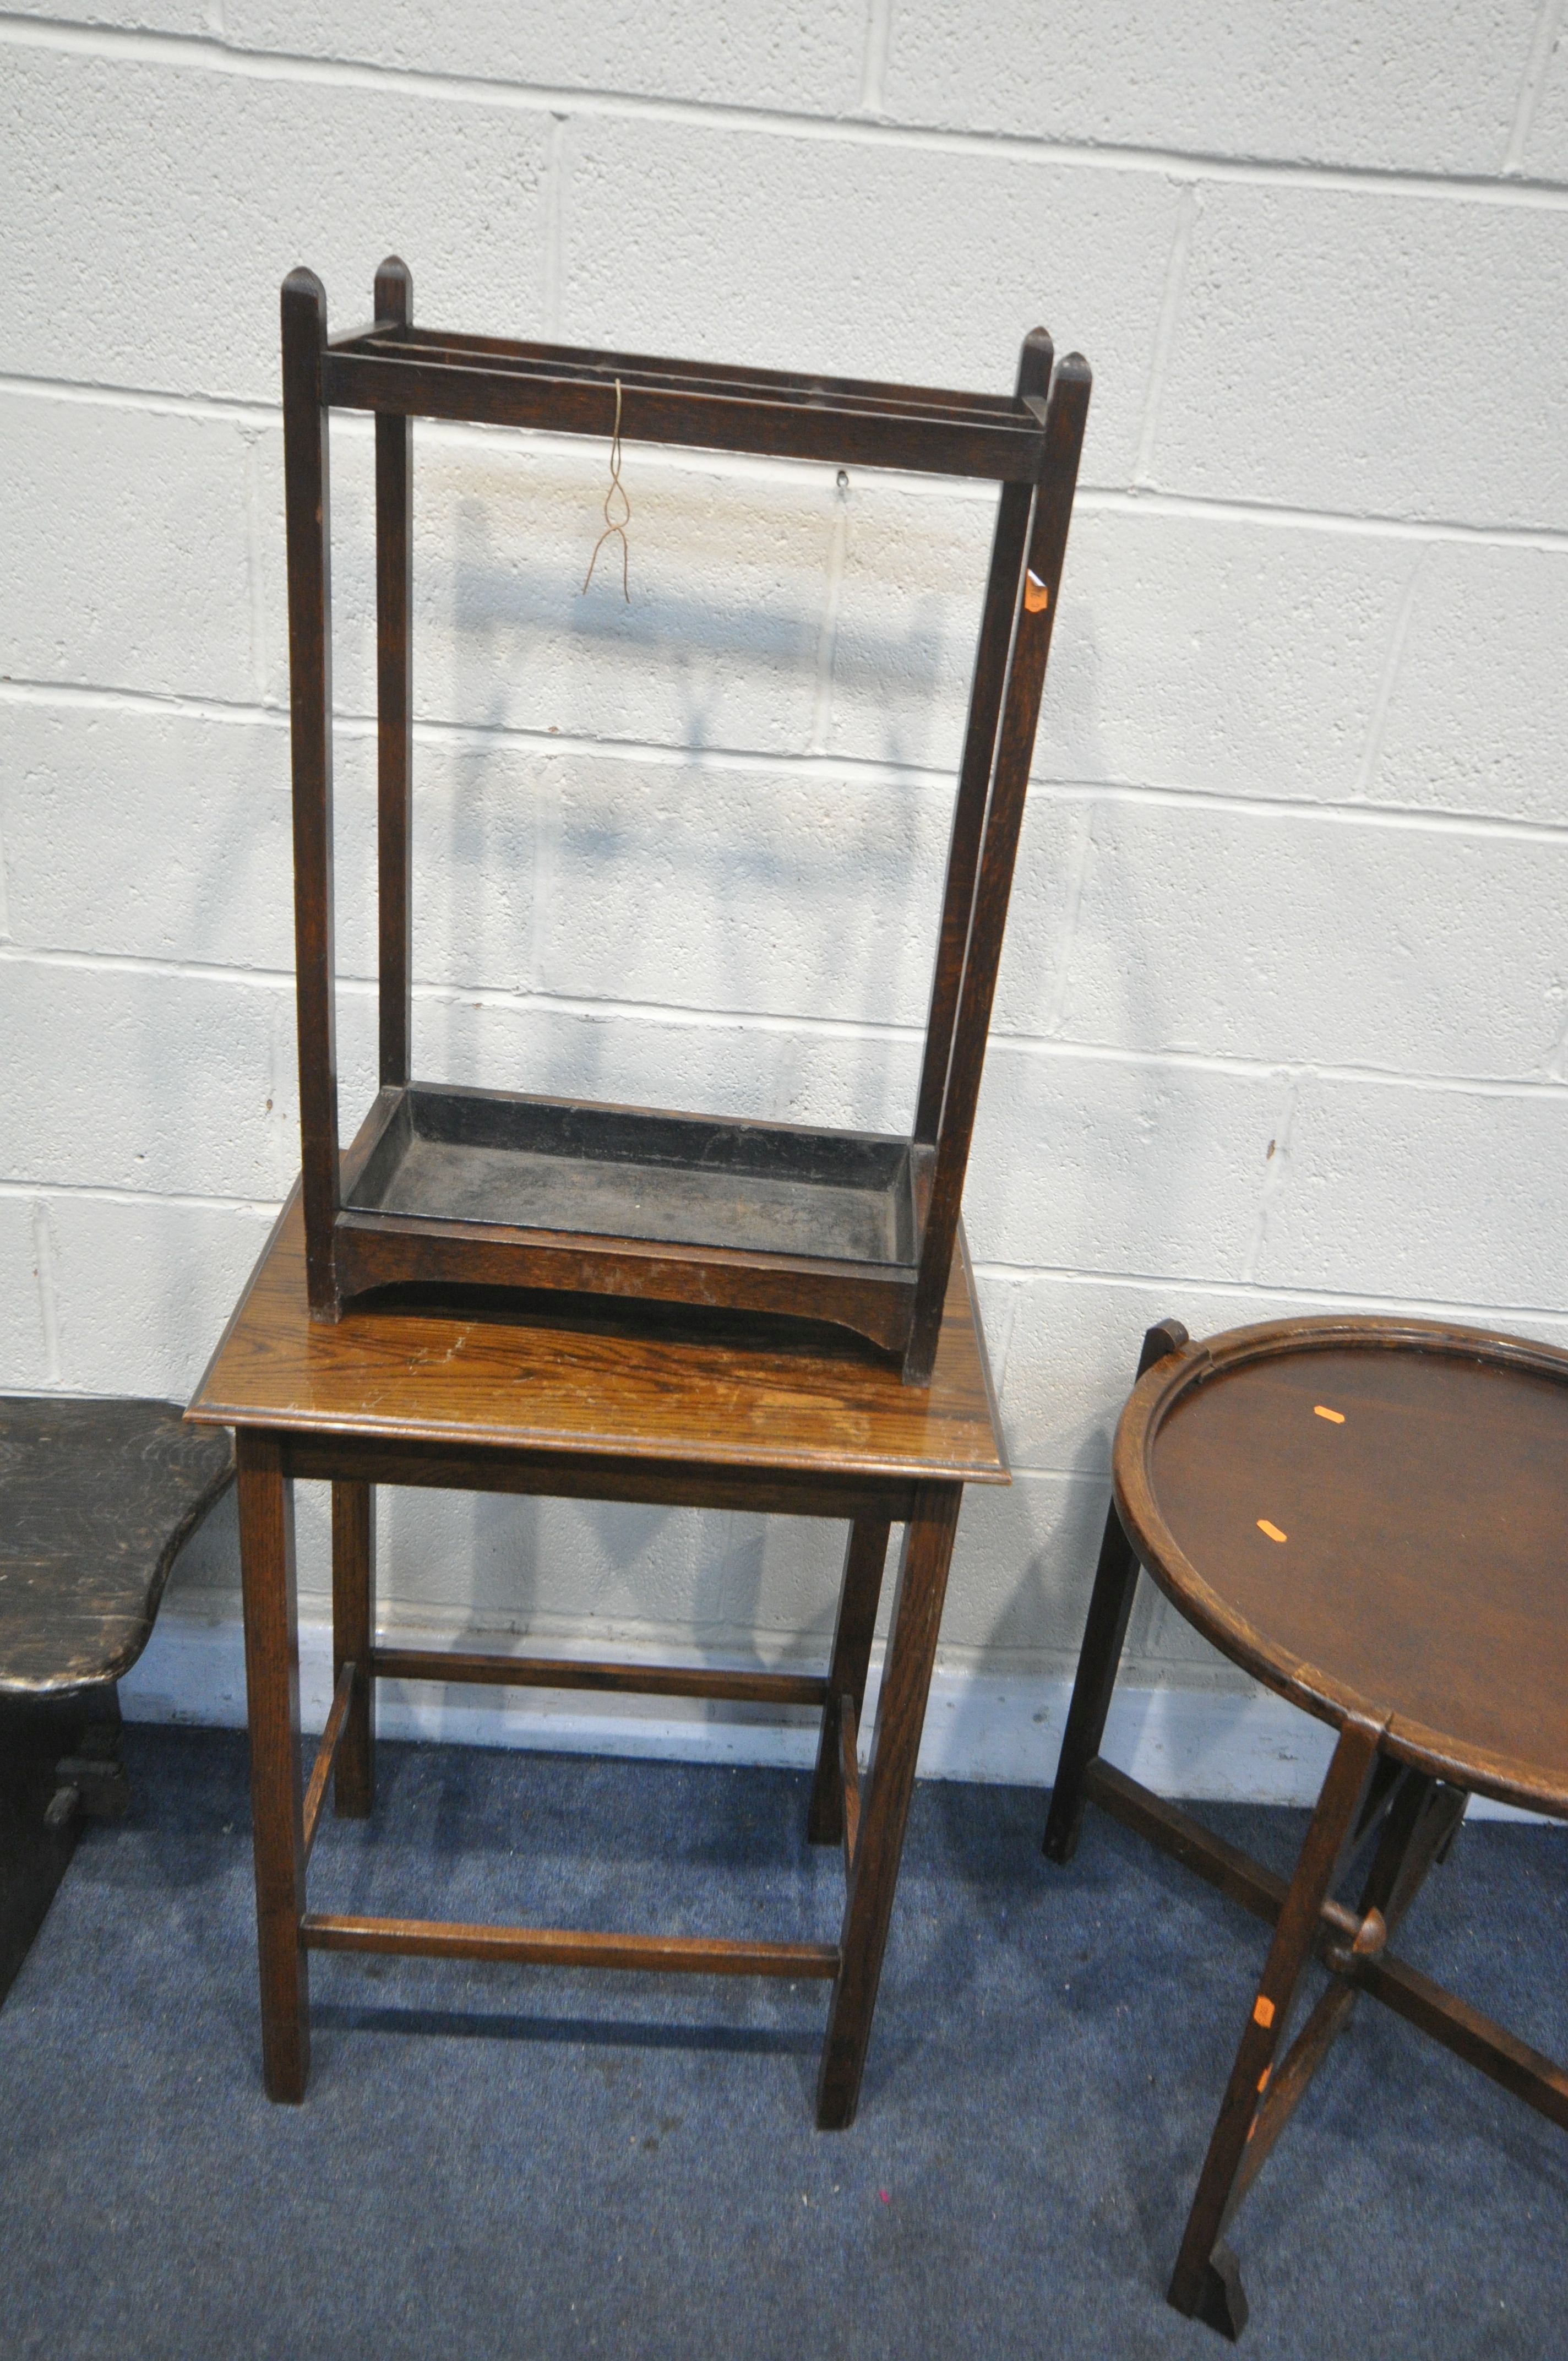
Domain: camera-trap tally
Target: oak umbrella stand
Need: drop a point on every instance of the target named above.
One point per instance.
(1368, 1515)
(449, 1186)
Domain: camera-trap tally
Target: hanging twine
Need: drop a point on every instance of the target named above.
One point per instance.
(614, 525)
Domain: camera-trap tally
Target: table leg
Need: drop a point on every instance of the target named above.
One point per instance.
(353, 1637)
(272, 1693)
(1111, 1604)
(1206, 2283)
(890, 1781)
(863, 1562)
(1421, 1819)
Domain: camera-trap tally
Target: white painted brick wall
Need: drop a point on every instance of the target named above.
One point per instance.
(1338, 940)
(143, 1288)
(1487, 638)
(842, 1075)
(883, 260)
(128, 558)
(1477, 1181)
(1222, 654)
(1544, 150)
(1393, 354)
(1284, 1008)
(155, 832)
(719, 648)
(23, 1337)
(155, 206)
(761, 890)
(761, 56)
(1425, 85)
(1130, 1163)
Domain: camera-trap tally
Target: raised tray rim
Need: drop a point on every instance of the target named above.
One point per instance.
(1508, 1779)
(396, 1108)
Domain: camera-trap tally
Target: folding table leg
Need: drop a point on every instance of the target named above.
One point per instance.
(272, 1696)
(353, 1637)
(885, 1808)
(1111, 1604)
(1206, 2282)
(1421, 1819)
(859, 1593)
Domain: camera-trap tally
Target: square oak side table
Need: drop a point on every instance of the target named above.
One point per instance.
(501, 1396)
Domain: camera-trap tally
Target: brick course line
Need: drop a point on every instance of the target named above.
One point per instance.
(1547, 27)
(837, 770)
(1337, 1299)
(196, 52)
(48, 1291)
(263, 1208)
(1103, 499)
(1165, 338)
(676, 1016)
(23, 1191)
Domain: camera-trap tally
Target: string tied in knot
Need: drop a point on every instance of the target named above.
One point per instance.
(614, 525)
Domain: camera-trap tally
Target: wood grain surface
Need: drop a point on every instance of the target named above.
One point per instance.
(1369, 1514)
(441, 1208)
(612, 1380)
(502, 387)
(96, 1500)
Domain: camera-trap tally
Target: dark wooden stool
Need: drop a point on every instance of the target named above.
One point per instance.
(1371, 1517)
(96, 1500)
(500, 1396)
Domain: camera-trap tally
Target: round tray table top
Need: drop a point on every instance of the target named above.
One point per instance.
(1372, 1516)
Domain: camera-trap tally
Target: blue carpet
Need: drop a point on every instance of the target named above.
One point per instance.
(496, 2162)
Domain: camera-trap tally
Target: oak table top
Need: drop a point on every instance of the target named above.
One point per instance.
(1372, 1516)
(562, 1375)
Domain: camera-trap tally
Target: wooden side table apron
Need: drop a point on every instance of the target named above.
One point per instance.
(588, 1412)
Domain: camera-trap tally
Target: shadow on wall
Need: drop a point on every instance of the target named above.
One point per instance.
(661, 878)
(680, 872)
(1100, 1149)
